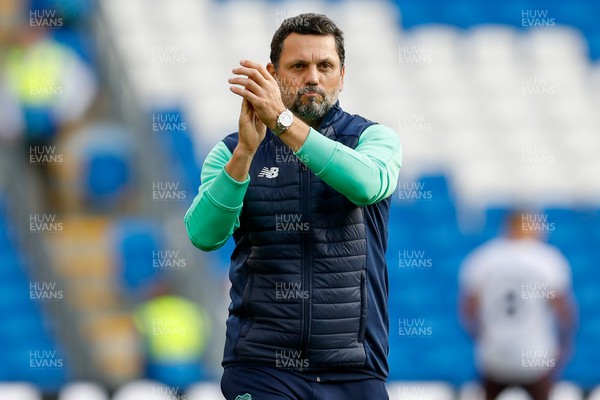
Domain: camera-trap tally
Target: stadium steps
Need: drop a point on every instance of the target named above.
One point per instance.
(81, 256)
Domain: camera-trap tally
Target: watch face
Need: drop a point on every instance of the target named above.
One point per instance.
(286, 119)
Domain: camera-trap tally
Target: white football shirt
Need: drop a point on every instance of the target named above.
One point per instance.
(515, 280)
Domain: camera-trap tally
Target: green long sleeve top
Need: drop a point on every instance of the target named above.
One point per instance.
(365, 175)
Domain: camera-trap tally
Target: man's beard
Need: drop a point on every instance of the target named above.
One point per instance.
(310, 110)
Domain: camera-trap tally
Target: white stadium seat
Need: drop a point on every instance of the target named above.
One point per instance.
(550, 46)
(595, 394)
(19, 391)
(439, 42)
(561, 391)
(144, 390)
(514, 394)
(490, 45)
(471, 391)
(420, 390)
(566, 391)
(82, 391)
(204, 391)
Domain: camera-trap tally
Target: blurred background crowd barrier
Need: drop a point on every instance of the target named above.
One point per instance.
(108, 108)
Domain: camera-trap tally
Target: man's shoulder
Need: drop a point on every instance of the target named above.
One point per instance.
(348, 124)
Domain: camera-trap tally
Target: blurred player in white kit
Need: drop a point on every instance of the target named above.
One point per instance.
(517, 304)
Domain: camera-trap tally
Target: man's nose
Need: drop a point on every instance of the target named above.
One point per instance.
(312, 76)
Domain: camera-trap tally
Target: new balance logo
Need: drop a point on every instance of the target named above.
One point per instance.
(244, 397)
(269, 173)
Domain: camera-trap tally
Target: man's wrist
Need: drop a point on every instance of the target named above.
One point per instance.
(243, 152)
(273, 122)
(284, 121)
(239, 163)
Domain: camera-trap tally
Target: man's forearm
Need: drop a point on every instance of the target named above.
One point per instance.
(366, 174)
(214, 213)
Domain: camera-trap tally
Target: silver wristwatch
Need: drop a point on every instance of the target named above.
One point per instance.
(284, 121)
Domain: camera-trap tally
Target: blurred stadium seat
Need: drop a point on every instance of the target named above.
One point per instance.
(107, 165)
(471, 391)
(204, 391)
(83, 391)
(19, 391)
(136, 242)
(420, 390)
(566, 391)
(144, 390)
(595, 394)
(26, 330)
(514, 394)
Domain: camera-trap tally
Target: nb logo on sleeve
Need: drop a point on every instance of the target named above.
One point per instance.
(244, 397)
(269, 173)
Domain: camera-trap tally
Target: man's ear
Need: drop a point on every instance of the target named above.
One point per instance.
(271, 69)
(342, 73)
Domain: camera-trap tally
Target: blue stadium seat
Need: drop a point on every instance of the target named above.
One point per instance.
(24, 330)
(220, 259)
(175, 138)
(106, 176)
(579, 13)
(463, 14)
(135, 243)
(495, 218)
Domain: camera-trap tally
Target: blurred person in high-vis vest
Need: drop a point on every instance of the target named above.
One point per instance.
(175, 333)
(53, 88)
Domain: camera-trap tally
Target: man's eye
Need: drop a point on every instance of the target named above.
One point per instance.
(298, 66)
(326, 66)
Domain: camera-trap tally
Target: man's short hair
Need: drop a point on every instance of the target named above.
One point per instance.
(307, 24)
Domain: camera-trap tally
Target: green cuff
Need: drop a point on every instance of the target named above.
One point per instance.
(226, 192)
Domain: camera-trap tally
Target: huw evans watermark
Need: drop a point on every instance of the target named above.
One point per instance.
(291, 223)
(165, 191)
(414, 122)
(44, 223)
(413, 191)
(290, 291)
(167, 327)
(168, 123)
(45, 359)
(40, 291)
(163, 392)
(537, 291)
(45, 87)
(45, 19)
(168, 259)
(537, 223)
(44, 155)
(168, 55)
(535, 154)
(537, 19)
(290, 359)
(538, 359)
(283, 14)
(285, 155)
(538, 86)
(410, 54)
(411, 392)
(413, 259)
(414, 327)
